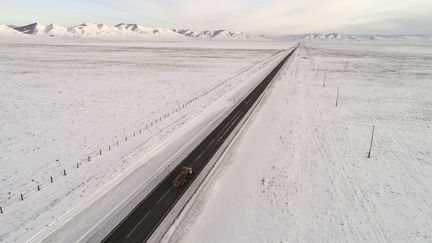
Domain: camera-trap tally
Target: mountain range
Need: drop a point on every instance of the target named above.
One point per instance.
(98, 30)
(95, 30)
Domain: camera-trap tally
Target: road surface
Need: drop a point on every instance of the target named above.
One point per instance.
(139, 225)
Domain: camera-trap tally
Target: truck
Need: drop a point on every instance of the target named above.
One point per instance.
(181, 179)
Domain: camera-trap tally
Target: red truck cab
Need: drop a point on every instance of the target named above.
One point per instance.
(182, 177)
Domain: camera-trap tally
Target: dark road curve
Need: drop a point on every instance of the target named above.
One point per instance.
(139, 225)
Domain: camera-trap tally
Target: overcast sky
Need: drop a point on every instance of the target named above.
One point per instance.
(271, 17)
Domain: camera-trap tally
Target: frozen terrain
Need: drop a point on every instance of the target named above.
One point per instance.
(298, 172)
(82, 112)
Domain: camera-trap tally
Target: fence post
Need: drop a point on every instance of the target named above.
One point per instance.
(22, 198)
(371, 142)
(1, 210)
(38, 187)
(51, 179)
(64, 172)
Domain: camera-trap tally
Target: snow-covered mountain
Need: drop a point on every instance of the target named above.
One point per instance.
(95, 30)
(135, 28)
(6, 30)
(218, 34)
(32, 29)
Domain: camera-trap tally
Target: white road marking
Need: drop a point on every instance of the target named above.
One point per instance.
(163, 196)
(136, 226)
(199, 156)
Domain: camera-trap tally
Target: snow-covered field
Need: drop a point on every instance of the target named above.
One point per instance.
(83, 111)
(299, 172)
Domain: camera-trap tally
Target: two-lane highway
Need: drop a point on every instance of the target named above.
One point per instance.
(139, 225)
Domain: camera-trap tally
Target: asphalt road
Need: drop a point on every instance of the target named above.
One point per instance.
(146, 217)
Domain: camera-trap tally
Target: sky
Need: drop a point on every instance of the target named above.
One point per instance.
(269, 17)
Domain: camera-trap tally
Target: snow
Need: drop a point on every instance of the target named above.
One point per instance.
(298, 172)
(63, 101)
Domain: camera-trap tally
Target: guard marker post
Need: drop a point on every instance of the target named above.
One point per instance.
(325, 76)
(337, 96)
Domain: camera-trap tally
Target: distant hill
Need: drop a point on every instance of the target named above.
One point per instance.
(338, 36)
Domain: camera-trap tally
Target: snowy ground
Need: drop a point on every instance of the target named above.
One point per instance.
(299, 172)
(66, 101)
